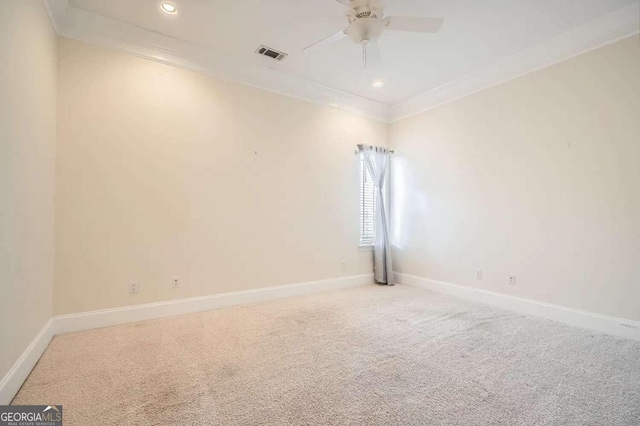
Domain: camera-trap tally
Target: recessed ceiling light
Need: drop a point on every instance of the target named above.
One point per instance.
(169, 8)
(377, 83)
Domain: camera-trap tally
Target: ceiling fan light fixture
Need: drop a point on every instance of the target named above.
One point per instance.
(377, 83)
(365, 30)
(367, 22)
(169, 8)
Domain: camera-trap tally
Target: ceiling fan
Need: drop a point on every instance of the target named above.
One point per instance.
(366, 24)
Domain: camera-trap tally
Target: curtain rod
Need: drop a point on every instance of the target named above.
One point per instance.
(390, 152)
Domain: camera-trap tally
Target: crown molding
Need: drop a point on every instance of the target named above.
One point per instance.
(264, 74)
(106, 32)
(607, 29)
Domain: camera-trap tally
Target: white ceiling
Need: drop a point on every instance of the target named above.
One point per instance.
(476, 35)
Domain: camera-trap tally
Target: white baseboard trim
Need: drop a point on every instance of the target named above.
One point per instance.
(128, 314)
(19, 372)
(11, 382)
(602, 323)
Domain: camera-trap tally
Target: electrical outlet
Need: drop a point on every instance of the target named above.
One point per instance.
(175, 283)
(512, 280)
(478, 274)
(343, 265)
(134, 287)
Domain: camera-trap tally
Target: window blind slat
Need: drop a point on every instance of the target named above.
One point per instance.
(367, 207)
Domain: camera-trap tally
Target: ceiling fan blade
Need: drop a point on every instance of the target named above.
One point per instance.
(372, 55)
(413, 24)
(327, 40)
(345, 2)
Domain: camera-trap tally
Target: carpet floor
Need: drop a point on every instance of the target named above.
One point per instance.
(371, 355)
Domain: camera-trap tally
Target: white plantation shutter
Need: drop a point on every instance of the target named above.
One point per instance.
(367, 207)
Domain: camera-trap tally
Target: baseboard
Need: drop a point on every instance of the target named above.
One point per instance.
(602, 323)
(11, 382)
(110, 317)
(19, 372)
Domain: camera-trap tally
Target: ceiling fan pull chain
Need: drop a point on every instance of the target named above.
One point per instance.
(364, 55)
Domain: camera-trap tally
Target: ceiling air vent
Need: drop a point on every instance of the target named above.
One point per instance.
(272, 53)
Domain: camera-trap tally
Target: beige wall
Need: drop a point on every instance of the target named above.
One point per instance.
(27, 159)
(538, 177)
(163, 172)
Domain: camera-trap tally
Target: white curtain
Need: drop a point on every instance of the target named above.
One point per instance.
(377, 161)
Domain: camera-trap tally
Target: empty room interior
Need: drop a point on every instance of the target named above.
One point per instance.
(320, 212)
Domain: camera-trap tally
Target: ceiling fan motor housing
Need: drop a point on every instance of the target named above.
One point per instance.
(364, 30)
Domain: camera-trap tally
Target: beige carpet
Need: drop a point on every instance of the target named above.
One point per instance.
(366, 356)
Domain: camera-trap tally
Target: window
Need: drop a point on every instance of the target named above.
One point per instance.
(367, 207)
